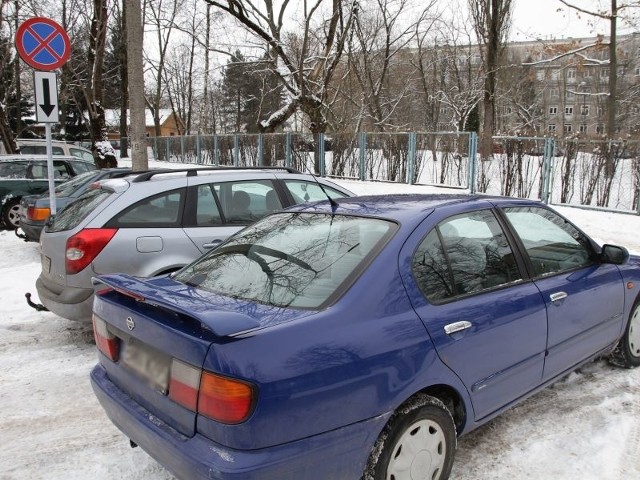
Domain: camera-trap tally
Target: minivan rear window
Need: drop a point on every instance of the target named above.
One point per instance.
(74, 213)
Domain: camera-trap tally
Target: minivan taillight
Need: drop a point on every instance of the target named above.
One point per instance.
(38, 214)
(106, 342)
(223, 399)
(84, 246)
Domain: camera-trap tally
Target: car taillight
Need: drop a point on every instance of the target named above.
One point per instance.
(34, 213)
(106, 342)
(184, 384)
(223, 399)
(84, 246)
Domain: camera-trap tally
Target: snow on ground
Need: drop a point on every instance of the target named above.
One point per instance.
(587, 426)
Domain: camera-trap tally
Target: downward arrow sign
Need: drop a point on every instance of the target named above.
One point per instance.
(47, 107)
(46, 90)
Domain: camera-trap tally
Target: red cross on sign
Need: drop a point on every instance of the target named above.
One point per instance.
(43, 44)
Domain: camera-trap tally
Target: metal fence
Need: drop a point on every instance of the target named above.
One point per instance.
(594, 174)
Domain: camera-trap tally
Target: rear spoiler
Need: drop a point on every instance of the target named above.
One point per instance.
(220, 321)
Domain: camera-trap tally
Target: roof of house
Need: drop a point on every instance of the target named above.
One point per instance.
(112, 116)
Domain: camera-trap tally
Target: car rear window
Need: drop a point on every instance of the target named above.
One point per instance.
(71, 216)
(67, 188)
(290, 259)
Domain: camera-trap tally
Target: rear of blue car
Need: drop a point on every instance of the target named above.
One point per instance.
(214, 385)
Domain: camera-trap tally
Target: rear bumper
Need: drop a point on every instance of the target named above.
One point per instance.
(72, 303)
(337, 455)
(31, 230)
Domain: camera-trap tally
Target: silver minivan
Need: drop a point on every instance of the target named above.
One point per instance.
(156, 222)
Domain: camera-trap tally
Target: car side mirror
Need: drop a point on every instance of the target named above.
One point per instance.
(614, 254)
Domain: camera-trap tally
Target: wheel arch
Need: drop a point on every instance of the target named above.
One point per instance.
(452, 400)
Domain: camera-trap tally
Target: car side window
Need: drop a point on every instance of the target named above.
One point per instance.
(14, 170)
(304, 191)
(81, 167)
(552, 244)
(207, 212)
(157, 211)
(464, 254)
(76, 152)
(247, 201)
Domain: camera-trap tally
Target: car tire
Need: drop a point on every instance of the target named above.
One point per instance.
(627, 353)
(11, 214)
(418, 442)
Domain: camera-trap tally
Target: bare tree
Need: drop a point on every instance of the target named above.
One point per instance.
(6, 59)
(102, 149)
(307, 56)
(379, 40)
(491, 19)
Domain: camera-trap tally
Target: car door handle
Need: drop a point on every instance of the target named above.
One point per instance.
(213, 243)
(457, 327)
(557, 296)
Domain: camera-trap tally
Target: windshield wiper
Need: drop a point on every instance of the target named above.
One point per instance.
(249, 248)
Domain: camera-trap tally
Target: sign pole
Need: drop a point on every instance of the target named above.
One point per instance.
(52, 185)
(45, 46)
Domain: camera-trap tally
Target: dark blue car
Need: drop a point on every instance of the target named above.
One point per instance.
(357, 339)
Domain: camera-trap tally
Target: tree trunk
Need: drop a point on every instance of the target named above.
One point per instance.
(139, 159)
(124, 86)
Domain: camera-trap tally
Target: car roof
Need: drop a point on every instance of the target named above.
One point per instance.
(401, 207)
(30, 157)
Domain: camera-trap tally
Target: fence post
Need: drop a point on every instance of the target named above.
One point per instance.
(236, 150)
(549, 147)
(287, 149)
(321, 154)
(182, 159)
(473, 163)
(411, 158)
(198, 151)
(260, 149)
(155, 148)
(216, 153)
(363, 152)
(168, 149)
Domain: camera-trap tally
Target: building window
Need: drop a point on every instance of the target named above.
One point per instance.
(540, 74)
(600, 128)
(587, 73)
(583, 128)
(568, 110)
(569, 95)
(604, 73)
(551, 128)
(568, 128)
(637, 71)
(571, 74)
(554, 92)
(553, 110)
(584, 110)
(555, 74)
(600, 111)
(508, 110)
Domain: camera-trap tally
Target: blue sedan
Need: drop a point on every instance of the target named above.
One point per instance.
(358, 339)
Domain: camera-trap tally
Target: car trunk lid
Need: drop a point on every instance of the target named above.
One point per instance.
(158, 327)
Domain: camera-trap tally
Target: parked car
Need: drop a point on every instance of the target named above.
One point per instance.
(157, 222)
(30, 146)
(35, 209)
(357, 340)
(28, 175)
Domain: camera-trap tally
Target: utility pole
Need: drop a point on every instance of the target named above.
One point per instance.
(135, 76)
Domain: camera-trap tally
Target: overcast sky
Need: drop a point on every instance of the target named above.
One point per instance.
(550, 19)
